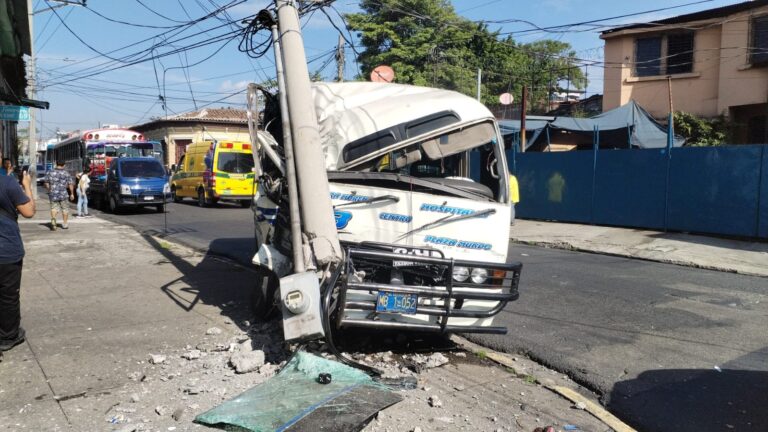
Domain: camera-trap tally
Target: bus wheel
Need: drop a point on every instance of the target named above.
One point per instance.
(176, 198)
(201, 202)
(113, 206)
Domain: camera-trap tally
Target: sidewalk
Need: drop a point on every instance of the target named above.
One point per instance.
(744, 257)
(132, 333)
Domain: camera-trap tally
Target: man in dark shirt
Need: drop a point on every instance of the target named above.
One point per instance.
(14, 199)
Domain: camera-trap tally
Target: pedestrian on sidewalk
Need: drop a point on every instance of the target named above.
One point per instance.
(7, 168)
(59, 182)
(83, 183)
(14, 199)
(514, 196)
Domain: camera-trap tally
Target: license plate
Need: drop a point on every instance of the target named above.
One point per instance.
(396, 302)
(149, 198)
(227, 192)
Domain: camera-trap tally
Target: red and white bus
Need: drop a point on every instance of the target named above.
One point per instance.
(97, 147)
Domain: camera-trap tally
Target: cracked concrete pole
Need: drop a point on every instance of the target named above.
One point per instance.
(314, 194)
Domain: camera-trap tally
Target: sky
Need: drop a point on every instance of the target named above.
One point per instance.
(95, 71)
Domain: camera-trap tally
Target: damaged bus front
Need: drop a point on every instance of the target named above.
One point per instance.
(420, 188)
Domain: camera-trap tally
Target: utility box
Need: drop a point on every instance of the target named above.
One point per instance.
(301, 307)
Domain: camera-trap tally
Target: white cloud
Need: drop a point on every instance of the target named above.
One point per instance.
(230, 86)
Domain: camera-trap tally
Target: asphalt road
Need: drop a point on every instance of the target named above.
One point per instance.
(667, 347)
(225, 229)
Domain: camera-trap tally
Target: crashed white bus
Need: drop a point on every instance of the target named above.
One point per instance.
(425, 246)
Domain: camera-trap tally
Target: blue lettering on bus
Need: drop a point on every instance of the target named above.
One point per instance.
(348, 197)
(447, 209)
(464, 244)
(394, 217)
(342, 219)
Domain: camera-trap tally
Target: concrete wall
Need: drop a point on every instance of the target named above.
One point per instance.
(721, 76)
(172, 134)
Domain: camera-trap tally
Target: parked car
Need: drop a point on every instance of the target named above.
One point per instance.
(132, 182)
(211, 171)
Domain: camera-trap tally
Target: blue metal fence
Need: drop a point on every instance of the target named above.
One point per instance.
(716, 190)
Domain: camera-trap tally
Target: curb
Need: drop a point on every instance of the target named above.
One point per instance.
(580, 400)
(682, 263)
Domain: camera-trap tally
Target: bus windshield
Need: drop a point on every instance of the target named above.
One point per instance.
(148, 168)
(235, 163)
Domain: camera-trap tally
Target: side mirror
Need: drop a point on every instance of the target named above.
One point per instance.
(174, 167)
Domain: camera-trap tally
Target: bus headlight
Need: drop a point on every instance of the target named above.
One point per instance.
(460, 274)
(479, 275)
(166, 189)
(125, 189)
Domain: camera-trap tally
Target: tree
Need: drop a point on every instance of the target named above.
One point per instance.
(701, 132)
(427, 43)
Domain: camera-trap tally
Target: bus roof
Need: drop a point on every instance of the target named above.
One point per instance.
(350, 111)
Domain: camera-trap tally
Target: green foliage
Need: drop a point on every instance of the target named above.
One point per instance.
(701, 132)
(427, 43)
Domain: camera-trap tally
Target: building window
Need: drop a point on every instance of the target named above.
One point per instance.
(759, 48)
(664, 55)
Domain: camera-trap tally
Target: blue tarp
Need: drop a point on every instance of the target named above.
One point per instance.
(645, 131)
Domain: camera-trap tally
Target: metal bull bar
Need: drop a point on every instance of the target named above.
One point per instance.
(445, 299)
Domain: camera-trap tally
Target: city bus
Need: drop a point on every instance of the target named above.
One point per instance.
(96, 149)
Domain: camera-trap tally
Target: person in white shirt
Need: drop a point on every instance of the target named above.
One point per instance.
(83, 184)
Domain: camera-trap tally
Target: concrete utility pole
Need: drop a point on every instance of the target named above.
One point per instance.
(290, 161)
(316, 206)
(340, 60)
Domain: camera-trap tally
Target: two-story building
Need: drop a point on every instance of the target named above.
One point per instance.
(711, 63)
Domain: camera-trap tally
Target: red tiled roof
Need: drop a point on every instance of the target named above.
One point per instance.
(213, 115)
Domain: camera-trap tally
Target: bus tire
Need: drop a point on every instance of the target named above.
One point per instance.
(201, 200)
(264, 296)
(114, 207)
(176, 198)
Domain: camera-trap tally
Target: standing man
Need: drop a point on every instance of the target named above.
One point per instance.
(82, 194)
(59, 182)
(13, 199)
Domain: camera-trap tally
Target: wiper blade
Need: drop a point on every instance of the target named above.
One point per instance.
(446, 220)
(371, 200)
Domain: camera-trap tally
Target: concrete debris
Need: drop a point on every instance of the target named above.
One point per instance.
(213, 331)
(135, 397)
(136, 376)
(460, 354)
(416, 429)
(161, 410)
(116, 419)
(178, 413)
(268, 370)
(192, 355)
(447, 420)
(435, 360)
(156, 358)
(581, 406)
(435, 402)
(247, 361)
